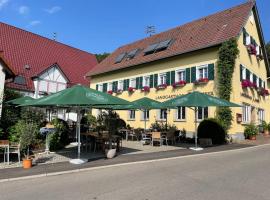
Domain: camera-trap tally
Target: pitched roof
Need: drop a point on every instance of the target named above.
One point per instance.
(20, 48)
(202, 33)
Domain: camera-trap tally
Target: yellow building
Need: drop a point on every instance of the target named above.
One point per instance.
(184, 59)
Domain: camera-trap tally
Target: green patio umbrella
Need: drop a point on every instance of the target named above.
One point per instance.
(77, 97)
(20, 100)
(194, 100)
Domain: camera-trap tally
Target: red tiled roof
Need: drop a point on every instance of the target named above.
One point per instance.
(20, 48)
(202, 33)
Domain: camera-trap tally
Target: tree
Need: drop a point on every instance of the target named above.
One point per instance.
(102, 56)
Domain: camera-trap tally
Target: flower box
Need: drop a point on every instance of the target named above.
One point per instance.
(252, 49)
(110, 92)
(201, 81)
(146, 89)
(131, 89)
(161, 86)
(248, 83)
(259, 57)
(179, 84)
(119, 91)
(263, 92)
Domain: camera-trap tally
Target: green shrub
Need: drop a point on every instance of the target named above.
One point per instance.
(212, 128)
(250, 130)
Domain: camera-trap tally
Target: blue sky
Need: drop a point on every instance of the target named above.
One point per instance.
(99, 26)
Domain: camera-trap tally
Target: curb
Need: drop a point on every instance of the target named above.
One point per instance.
(128, 163)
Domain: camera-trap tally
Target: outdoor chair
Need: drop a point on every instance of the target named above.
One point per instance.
(157, 137)
(14, 148)
(133, 134)
(170, 137)
(145, 139)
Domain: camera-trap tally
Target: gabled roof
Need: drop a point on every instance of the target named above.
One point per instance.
(199, 34)
(20, 48)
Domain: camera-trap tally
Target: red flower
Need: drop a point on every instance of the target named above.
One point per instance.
(130, 89)
(179, 83)
(110, 92)
(247, 83)
(252, 49)
(146, 89)
(201, 80)
(161, 86)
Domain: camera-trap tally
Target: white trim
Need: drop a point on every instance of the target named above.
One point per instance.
(132, 82)
(164, 78)
(205, 74)
(144, 81)
(177, 75)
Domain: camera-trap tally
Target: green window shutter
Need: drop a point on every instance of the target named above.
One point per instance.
(188, 75)
(151, 81)
(264, 84)
(241, 75)
(137, 82)
(168, 78)
(155, 80)
(211, 71)
(105, 87)
(125, 85)
(244, 36)
(260, 82)
(193, 74)
(141, 83)
(248, 74)
(254, 78)
(115, 86)
(96, 86)
(172, 77)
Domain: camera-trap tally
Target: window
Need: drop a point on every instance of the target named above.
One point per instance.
(133, 82)
(180, 75)
(202, 113)
(120, 85)
(110, 88)
(162, 79)
(244, 73)
(146, 81)
(261, 115)
(145, 115)
(100, 87)
(257, 82)
(50, 86)
(181, 113)
(202, 72)
(246, 109)
(162, 114)
(131, 114)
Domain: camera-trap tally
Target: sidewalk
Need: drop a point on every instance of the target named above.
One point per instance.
(45, 169)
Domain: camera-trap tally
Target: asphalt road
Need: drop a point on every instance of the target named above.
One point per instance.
(234, 175)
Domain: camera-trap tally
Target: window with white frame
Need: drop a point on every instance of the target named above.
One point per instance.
(244, 73)
(145, 115)
(180, 75)
(131, 114)
(162, 79)
(246, 113)
(110, 86)
(202, 72)
(100, 87)
(181, 113)
(146, 81)
(202, 113)
(261, 115)
(120, 85)
(162, 114)
(132, 83)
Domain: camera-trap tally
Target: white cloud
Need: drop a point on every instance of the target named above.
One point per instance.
(3, 3)
(53, 9)
(23, 10)
(34, 23)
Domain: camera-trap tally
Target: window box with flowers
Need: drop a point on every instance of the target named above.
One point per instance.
(263, 92)
(145, 89)
(201, 81)
(131, 89)
(179, 84)
(161, 86)
(252, 49)
(248, 84)
(110, 92)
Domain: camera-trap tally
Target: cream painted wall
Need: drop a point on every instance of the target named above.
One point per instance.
(189, 60)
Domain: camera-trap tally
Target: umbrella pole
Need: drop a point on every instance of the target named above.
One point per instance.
(196, 136)
(79, 134)
(145, 120)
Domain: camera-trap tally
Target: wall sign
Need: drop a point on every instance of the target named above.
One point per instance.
(171, 96)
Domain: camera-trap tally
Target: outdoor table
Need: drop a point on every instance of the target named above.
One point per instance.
(5, 144)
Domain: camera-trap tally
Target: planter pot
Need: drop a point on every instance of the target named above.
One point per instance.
(252, 137)
(110, 153)
(27, 163)
(266, 133)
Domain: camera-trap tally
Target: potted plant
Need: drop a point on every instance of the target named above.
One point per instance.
(201, 81)
(265, 127)
(252, 49)
(161, 86)
(146, 89)
(179, 84)
(27, 132)
(110, 92)
(131, 89)
(250, 132)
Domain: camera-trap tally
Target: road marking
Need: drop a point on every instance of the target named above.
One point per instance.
(129, 163)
